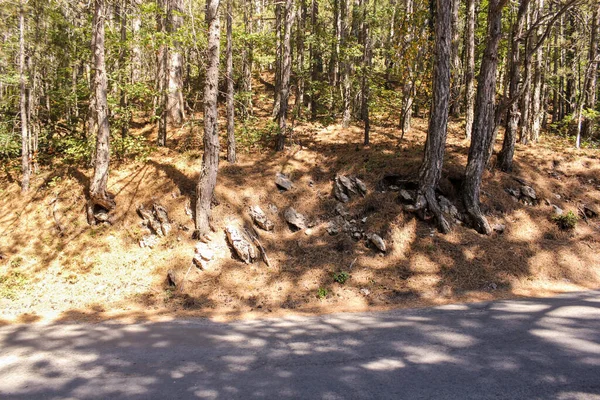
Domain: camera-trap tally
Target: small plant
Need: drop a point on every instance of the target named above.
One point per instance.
(341, 277)
(11, 283)
(322, 293)
(566, 222)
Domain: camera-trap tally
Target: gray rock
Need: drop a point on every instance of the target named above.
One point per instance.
(557, 210)
(448, 208)
(163, 218)
(296, 220)
(405, 196)
(360, 185)
(377, 241)
(499, 228)
(260, 218)
(338, 192)
(348, 184)
(341, 210)
(204, 252)
(528, 191)
(365, 292)
(282, 181)
(242, 246)
(513, 192)
(149, 241)
(591, 210)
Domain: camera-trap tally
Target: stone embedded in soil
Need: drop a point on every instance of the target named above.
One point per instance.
(260, 218)
(365, 292)
(163, 218)
(344, 187)
(243, 248)
(557, 210)
(282, 181)
(341, 210)
(405, 196)
(448, 208)
(513, 192)
(199, 262)
(499, 228)
(149, 241)
(204, 251)
(377, 241)
(296, 220)
(528, 191)
(591, 211)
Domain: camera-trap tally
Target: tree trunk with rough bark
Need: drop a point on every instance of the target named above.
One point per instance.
(25, 148)
(98, 196)
(590, 87)
(469, 68)
(433, 158)
(456, 87)
(175, 106)
(505, 158)
(231, 156)
(366, 70)
(210, 159)
(286, 69)
(483, 126)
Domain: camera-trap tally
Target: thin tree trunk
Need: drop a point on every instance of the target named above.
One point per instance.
(25, 148)
(366, 70)
(98, 193)
(505, 158)
(286, 69)
(279, 16)
(590, 88)
(175, 106)
(408, 87)
(346, 80)
(231, 156)
(433, 158)
(162, 75)
(456, 87)
(483, 127)
(210, 158)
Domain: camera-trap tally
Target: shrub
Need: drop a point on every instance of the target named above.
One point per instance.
(341, 277)
(567, 221)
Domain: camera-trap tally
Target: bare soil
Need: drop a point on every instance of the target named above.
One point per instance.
(96, 273)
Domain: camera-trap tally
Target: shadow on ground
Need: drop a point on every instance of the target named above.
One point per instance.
(526, 349)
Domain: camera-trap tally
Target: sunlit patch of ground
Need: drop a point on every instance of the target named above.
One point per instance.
(95, 273)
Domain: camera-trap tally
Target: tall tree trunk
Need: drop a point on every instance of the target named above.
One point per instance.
(590, 87)
(505, 158)
(162, 74)
(346, 80)
(334, 65)
(210, 158)
(136, 50)
(286, 69)
(536, 105)
(247, 61)
(483, 126)
(99, 197)
(175, 106)
(408, 87)
(300, 34)
(456, 87)
(25, 149)
(231, 156)
(470, 68)
(279, 16)
(316, 59)
(366, 70)
(433, 158)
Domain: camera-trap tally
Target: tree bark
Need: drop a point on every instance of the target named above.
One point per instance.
(162, 75)
(247, 61)
(175, 106)
(590, 87)
(483, 127)
(366, 70)
(286, 69)
(433, 158)
(25, 148)
(456, 87)
(98, 193)
(210, 158)
(345, 66)
(231, 156)
(470, 68)
(505, 158)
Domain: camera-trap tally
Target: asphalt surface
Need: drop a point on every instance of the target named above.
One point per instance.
(524, 349)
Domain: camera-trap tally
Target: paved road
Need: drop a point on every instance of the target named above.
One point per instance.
(525, 349)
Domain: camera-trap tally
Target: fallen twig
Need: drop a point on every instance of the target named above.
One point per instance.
(262, 250)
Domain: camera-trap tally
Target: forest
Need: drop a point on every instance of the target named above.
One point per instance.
(251, 156)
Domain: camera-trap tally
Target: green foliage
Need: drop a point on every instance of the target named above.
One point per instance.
(322, 293)
(12, 283)
(566, 222)
(75, 149)
(341, 277)
(131, 147)
(10, 141)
